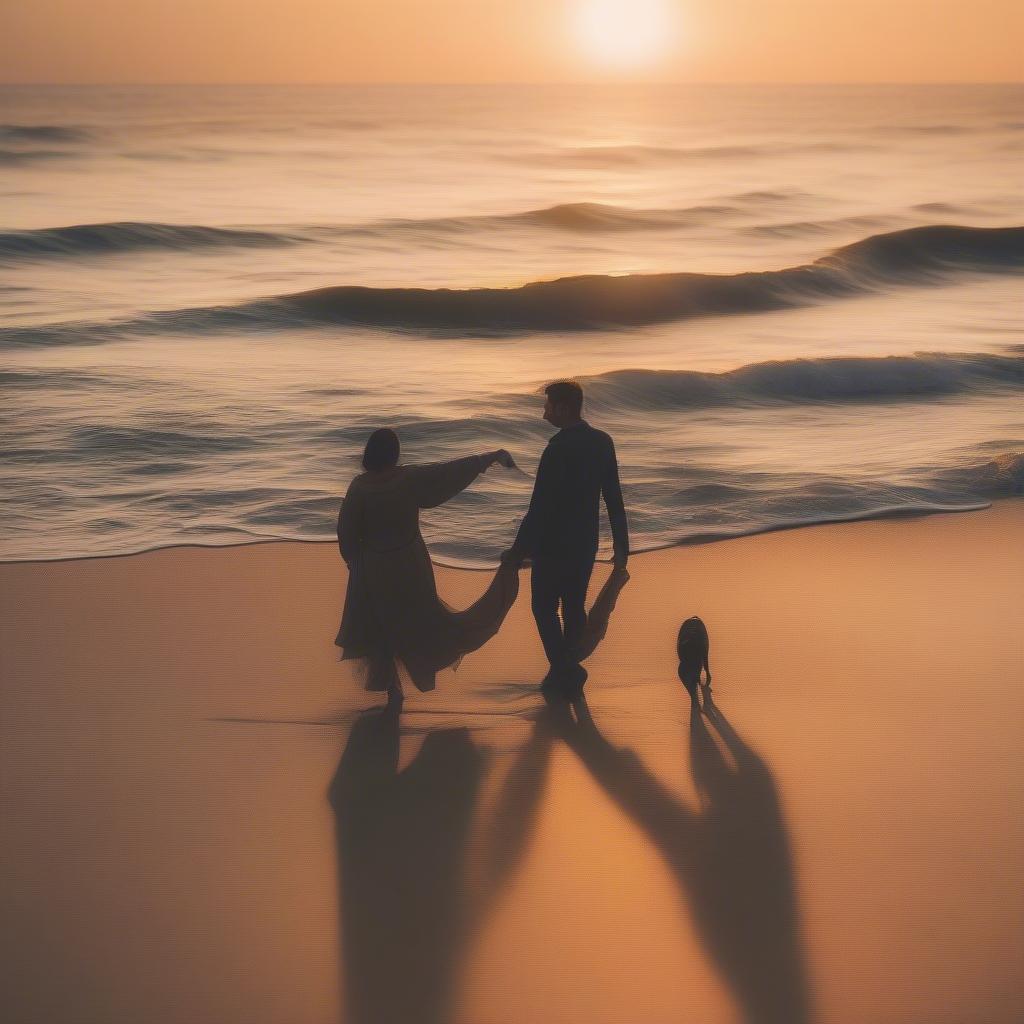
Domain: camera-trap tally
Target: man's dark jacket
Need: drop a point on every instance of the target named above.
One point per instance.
(562, 523)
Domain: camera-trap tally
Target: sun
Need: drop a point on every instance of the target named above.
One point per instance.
(624, 34)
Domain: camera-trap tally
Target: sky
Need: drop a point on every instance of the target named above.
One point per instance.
(319, 41)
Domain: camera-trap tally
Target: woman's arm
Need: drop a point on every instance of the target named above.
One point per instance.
(349, 525)
(440, 481)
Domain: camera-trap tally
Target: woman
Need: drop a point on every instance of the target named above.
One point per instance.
(392, 609)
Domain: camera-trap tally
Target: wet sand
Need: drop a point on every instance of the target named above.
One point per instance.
(202, 823)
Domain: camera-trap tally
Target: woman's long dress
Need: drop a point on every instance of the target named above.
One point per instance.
(392, 608)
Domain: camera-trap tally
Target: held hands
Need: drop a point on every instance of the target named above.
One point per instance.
(511, 556)
(620, 560)
(503, 458)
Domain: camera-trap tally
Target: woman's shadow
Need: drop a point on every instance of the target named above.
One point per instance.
(408, 910)
(731, 858)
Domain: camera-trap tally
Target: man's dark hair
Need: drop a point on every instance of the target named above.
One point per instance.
(381, 450)
(566, 392)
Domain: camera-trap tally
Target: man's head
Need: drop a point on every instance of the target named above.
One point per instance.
(564, 404)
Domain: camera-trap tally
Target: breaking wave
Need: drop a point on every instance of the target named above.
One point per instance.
(844, 379)
(914, 256)
(129, 236)
(132, 236)
(42, 133)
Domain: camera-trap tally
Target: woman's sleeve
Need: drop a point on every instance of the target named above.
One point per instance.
(435, 484)
(350, 524)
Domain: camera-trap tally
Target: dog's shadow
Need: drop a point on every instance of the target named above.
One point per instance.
(731, 858)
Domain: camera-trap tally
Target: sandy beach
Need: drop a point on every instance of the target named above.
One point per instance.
(201, 824)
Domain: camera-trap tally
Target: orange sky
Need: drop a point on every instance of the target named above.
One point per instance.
(501, 41)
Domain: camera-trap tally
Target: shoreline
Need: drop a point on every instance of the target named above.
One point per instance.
(698, 540)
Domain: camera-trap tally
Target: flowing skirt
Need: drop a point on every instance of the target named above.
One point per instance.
(392, 610)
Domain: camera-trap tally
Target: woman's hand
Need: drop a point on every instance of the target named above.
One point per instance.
(503, 458)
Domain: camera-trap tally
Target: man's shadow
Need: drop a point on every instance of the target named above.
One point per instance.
(408, 912)
(600, 613)
(731, 859)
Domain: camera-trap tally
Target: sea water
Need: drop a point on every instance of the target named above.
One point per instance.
(787, 304)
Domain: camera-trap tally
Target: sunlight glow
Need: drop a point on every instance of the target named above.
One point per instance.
(624, 34)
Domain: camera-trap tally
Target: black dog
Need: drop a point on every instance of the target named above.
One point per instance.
(693, 647)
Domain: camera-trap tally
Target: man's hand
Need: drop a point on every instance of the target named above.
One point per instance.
(620, 560)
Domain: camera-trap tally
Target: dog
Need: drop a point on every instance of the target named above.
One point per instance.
(693, 647)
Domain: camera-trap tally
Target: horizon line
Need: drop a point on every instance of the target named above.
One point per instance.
(545, 82)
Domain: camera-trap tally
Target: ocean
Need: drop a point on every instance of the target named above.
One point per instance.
(787, 304)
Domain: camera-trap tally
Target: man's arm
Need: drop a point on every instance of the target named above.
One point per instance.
(612, 491)
(539, 510)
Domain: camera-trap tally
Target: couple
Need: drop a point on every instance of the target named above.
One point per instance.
(392, 609)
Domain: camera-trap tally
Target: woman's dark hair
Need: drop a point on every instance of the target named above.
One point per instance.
(381, 450)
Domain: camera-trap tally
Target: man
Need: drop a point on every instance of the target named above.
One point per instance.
(560, 530)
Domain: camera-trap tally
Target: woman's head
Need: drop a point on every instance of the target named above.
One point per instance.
(381, 450)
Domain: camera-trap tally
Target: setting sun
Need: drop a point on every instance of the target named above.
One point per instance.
(624, 34)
